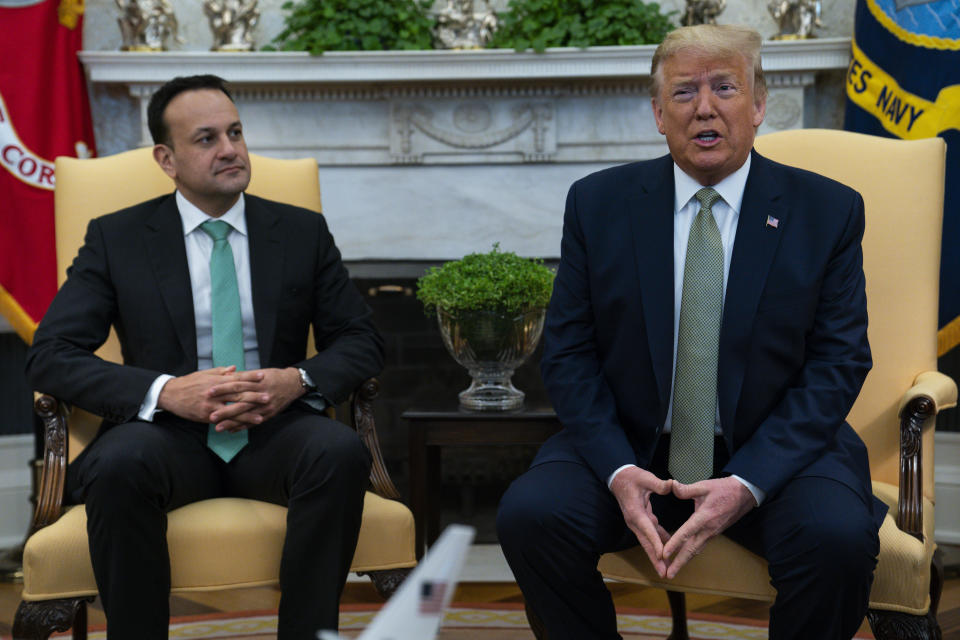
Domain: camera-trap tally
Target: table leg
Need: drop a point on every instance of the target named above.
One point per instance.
(434, 494)
(418, 482)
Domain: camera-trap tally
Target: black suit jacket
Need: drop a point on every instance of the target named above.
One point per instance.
(132, 273)
(793, 344)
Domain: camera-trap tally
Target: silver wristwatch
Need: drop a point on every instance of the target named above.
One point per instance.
(306, 382)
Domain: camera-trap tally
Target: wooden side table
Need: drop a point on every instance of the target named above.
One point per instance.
(433, 429)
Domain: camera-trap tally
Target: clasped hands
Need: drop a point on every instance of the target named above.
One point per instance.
(230, 399)
(718, 503)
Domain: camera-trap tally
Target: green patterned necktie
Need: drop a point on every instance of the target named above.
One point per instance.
(698, 340)
(227, 326)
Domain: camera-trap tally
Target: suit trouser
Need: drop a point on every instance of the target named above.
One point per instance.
(818, 536)
(133, 474)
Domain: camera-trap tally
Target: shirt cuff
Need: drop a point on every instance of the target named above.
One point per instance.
(615, 472)
(148, 408)
(758, 493)
(315, 401)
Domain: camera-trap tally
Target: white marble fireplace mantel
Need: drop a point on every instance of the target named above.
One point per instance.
(427, 155)
(418, 66)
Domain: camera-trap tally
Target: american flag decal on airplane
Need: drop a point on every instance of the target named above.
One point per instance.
(431, 597)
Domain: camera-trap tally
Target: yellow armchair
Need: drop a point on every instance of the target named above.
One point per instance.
(902, 185)
(204, 538)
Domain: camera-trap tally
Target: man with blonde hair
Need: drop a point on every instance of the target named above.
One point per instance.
(706, 338)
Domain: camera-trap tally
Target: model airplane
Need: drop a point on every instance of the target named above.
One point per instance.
(415, 610)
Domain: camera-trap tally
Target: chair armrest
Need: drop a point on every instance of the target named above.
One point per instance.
(361, 413)
(938, 387)
(53, 474)
(932, 392)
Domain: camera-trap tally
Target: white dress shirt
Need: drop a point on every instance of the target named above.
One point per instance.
(199, 247)
(726, 213)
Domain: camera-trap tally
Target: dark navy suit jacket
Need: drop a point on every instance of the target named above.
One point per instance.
(793, 343)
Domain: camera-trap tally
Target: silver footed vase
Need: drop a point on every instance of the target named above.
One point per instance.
(491, 345)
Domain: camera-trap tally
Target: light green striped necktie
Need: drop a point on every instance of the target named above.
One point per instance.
(698, 341)
(227, 326)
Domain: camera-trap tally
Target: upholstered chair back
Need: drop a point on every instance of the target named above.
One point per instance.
(902, 186)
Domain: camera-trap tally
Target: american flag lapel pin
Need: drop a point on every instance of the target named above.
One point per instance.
(773, 222)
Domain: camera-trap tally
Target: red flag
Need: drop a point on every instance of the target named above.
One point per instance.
(44, 113)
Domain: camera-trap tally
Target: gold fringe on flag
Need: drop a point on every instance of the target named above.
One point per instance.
(22, 323)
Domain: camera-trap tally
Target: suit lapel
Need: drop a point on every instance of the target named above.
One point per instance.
(163, 235)
(649, 207)
(266, 268)
(753, 252)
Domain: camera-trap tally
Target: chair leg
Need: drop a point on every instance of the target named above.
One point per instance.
(678, 609)
(891, 625)
(936, 581)
(37, 620)
(387, 581)
(80, 623)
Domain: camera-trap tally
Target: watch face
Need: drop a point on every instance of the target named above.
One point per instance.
(304, 380)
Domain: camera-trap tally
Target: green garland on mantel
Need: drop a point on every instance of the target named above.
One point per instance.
(377, 25)
(538, 24)
(355, 25)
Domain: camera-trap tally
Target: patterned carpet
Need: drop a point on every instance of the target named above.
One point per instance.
(461, 622)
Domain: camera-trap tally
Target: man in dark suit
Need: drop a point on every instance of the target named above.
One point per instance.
(212, 292)
(705, 341)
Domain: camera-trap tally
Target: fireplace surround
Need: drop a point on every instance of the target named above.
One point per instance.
(429, 155)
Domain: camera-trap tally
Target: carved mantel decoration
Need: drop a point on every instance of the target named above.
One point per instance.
(232, 23)
(796, 18)
(465, 24)
(461, 142)
(146, 25)
(466, 130)
(702, 12)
